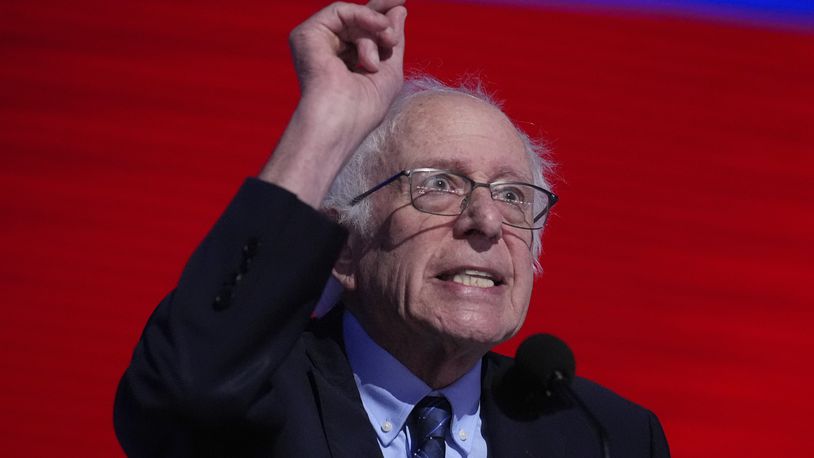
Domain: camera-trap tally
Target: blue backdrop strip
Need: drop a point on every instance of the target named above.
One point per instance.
(786, 14)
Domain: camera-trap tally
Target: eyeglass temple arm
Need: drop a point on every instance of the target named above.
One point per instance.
(370, 191)
(552, 199)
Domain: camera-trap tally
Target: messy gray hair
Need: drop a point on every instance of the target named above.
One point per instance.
(360, 173)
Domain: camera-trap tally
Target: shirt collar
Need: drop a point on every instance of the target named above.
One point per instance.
(389, 391)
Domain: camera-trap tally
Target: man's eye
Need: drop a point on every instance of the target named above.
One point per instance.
(439, 183)
(511, 195)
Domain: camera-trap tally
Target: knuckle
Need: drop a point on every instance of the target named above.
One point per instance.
(342, 5)
(298, 34)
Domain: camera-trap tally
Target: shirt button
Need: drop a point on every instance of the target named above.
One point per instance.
(462, 435)
(387, 426)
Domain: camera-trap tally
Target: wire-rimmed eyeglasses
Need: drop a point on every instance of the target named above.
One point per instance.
(445, 193)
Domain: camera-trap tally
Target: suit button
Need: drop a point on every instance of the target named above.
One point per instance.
(250, 247)
(222, 301)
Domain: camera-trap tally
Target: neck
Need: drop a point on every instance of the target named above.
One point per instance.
(437, 360)
(437, 367)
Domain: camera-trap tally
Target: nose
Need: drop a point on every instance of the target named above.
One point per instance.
(480, 218)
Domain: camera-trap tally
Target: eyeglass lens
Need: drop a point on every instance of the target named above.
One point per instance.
(444, 193)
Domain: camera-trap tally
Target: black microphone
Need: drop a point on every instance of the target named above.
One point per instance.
(551, 365)
(548, 359)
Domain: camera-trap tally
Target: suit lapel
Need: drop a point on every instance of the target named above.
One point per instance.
(348, 429)
(344, 420)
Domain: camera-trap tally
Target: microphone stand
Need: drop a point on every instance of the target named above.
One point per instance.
(561, 380)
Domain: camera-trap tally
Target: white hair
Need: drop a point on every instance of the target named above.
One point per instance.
(363, 170)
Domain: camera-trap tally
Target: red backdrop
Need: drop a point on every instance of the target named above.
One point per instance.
(678, 264)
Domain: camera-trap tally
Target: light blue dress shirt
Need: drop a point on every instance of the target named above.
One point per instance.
(389, 392)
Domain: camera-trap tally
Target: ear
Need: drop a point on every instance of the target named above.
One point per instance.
(345, 267)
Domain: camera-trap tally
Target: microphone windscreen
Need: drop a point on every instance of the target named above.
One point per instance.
(543, 355)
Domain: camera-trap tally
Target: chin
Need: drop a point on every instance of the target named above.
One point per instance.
(482, 333)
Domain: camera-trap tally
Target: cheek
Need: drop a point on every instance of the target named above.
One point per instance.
(520, 237)
(393, 272)
(414, 249)
(523, 275)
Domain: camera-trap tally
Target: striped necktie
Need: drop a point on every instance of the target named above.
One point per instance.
(428, 424)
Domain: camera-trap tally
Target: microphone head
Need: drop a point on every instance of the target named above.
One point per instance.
(548, 359)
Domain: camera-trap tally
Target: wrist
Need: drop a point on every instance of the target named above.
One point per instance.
(315, 146)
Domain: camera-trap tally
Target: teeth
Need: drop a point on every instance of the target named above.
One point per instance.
(474, 278)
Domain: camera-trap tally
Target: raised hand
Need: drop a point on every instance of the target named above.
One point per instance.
(349, 61)
(353, 52)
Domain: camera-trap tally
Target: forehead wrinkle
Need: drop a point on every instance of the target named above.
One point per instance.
(442, 114)
(439, 111)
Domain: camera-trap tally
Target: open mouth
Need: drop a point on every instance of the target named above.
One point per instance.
(472, 277)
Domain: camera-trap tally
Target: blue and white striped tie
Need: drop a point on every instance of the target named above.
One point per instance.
(428, 424)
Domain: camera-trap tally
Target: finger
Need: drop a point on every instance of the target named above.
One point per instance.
(372, 35)
(398, 17)
(346, 17)
(395, 12)
(363, 23)
(365, 32)
(384, 6)
(368, 54)
(390, 38)
(385, 44)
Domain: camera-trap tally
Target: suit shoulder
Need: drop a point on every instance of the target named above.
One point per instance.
(623, 418)
(601, 396)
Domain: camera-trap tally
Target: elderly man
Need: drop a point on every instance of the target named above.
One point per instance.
(434, 203)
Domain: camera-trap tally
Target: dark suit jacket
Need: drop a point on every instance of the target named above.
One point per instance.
(232, 364)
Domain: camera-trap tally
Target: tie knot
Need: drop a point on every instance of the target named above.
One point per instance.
(429, 423)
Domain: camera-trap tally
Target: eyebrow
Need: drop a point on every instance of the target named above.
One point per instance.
(459, 166)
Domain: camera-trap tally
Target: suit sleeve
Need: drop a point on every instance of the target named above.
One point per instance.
(209, 350)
